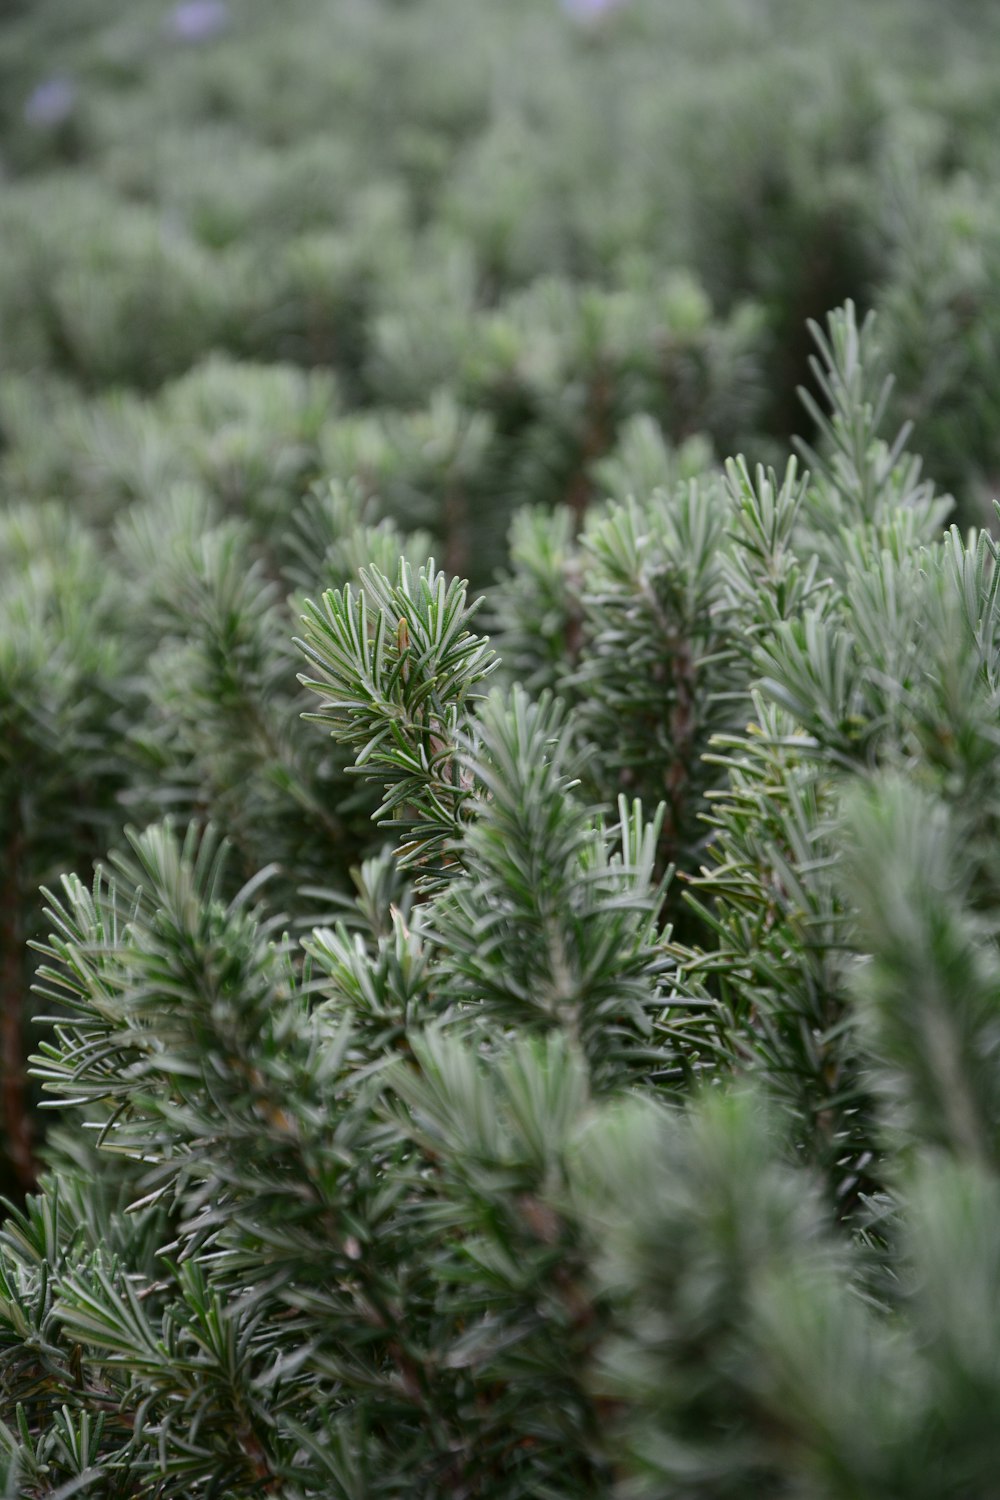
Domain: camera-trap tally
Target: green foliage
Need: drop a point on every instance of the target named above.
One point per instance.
(491, 1183)
(558, 1062)
(65, 704)
(396, 677)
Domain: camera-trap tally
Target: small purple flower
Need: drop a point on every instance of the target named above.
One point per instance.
(590, 11)
(51, 102)
(198, 20)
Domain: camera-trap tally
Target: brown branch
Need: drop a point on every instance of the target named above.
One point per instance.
(597, 436)
(13, 1077)
(455, 522)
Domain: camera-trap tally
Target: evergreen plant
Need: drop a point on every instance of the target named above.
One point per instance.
(495, 1184)
(524, 1018)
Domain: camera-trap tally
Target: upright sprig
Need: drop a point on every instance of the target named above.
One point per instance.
(860, 475)
(768, 580)
(557, 926)
(927, 992)
(397, 670)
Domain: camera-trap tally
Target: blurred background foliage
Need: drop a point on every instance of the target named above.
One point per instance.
(554, 221)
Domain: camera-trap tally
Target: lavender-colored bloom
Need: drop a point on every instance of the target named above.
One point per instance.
(198, 20)
(51, 102)
(589, 11)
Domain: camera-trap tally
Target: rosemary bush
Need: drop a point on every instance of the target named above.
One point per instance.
(493, 1183)
(524, 1017)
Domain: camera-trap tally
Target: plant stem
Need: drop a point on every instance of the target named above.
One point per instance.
(13, 1079)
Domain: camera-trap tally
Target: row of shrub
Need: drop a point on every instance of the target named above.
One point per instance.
(633, 1128)
(542, 1043)
(432, 197)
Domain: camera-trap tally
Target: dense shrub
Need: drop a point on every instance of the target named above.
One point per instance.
(251, 189)
(535, 1036)
(439, 1195)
